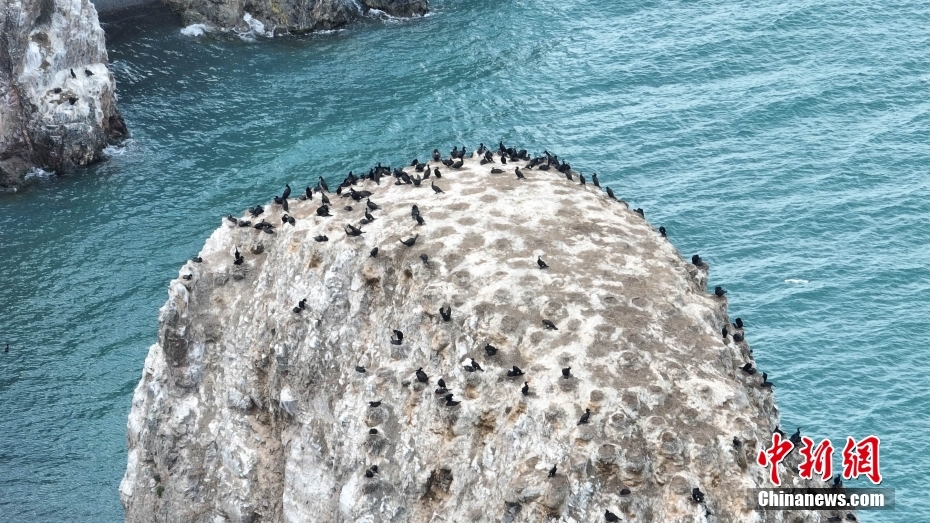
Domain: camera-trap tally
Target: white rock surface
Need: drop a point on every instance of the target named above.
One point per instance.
(41, 42)
(249, 412)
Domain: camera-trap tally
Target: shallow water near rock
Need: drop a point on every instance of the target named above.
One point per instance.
(784, 142)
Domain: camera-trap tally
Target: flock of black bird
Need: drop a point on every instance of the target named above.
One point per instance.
(347, 189)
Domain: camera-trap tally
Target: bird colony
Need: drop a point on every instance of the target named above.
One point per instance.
(472, 337)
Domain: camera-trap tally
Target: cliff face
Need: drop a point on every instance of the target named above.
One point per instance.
(50, 118)
(296, 16)
(249, 411)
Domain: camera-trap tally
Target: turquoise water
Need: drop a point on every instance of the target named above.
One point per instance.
(780, 140)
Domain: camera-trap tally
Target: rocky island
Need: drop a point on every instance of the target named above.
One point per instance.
(467, 346)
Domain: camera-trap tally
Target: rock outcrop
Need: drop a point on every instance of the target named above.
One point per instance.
(57, 101)
(293, 16)
(251, 408)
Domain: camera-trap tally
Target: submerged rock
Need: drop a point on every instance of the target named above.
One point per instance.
(57, 101)
(251, 407)
(295, 16)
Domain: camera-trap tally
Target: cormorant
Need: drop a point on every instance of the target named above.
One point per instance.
(421, 376)
(610, 193)
(515, 372)
(410, 241)
(374, 404)
(397, 338)
(595, 181)
(566, 373)
(549, 325)
(719, 291)
(541, 263)
(696, 260)
(610, 516)
(490, 349)
(747, 368)
(585, 417)
(360, 369)
(374, 253)
(526, 388)
(436, 190)
(449, 402)
(321, 238)
(663, 232)
(796, 437)
(696, 495)
(766, 384)
(446, 313)
(425, 259)
(553, 470)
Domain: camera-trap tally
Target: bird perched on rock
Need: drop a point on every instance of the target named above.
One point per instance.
(581, 179)
(595, 181)
(420, 220)
(374, 404)
(445, 313)
(663, 232)
(640, 211)
(610, 516)
(374, 253)
(696, 260)
(360, 370)
(436, 155)
(322, 184)
(585, 417)
(796, 437)
(549, 325)
(490, 349)
(323, 210)
(88, 72)
(353, 231)
(747, 368)
(541, 263)
(515, 372)
(397, 338)
(372, 431)
(719, 291)
(73, 76)
(371, 205)
(766, 384)
(738, 337)
(696, 495)
(425, 259)
(187, 277)
(566, 373)
(410, 241)
(474, 365)
(436, 189)
(442, 387)
(414, 212)
(553, 471)
(610, 193)
(421, 376)
(368, 216)
(238, 259)
(724, 332)
(519, 173)
(736, 442)
(526, 388)
(738, 323)
(321, 238)
(196, 259)
(449, 402)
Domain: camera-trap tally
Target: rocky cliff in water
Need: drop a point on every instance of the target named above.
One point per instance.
(294, 16)
(296, 376)
(57, 101)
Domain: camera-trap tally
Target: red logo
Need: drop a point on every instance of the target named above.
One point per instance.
(774, 454)
(819, 460)
(862, 459)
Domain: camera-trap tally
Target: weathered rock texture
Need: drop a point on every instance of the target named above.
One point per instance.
(248, 411)
(48, 118)
(295, 16)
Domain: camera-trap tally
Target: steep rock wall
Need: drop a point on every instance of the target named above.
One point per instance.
(248, 411)
(50, 118)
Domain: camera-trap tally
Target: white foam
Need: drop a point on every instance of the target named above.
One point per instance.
(38, 174)
(195, 30)
(796, 281)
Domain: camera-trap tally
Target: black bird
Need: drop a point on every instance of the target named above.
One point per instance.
(374, 253)
(747, 368)
(490, 349)
(244, 223)
(425, 259)
(663, 232)
(736, 442)
(566, 373)
(610, 516)
(719, 291)
(738, 337)
(436, 173)
(469, 368)
(421, 376)
(640, 211)
(187, 277)
(442, 387)
(323, 184)
(778, 431)
(515, 372)
(581, 178)
(449, 402)
(397, 338)
(837, 481)
(7, 349)
(696, 495)
(352, 231)
(696, 260)
(196, 259)
(88, 72)
(360, 369)
(796, 437)
(416, 181)
(302, 304)
(368, 216)
(72, 100)
(232, 219)
(541, 263)
(436, 155)
(321, 238)
(458, 164)
(287, 191)
(526, 388)
(238, 258)
(369, 474)
(474, 365)
(256, 211)
(371, 205)
(308, 192)
(549, 325)
(495, 170)
(585, 417)
(446, 313)
(297, 310)
(625, 491)
(72, 74)
(414, 211)
(323, 210)
(410, 241)
(324, 199)
(504, 160)
(420, 220)
(374, 468)
(436, 190)
(553, 471)
(595, 181)
(372, 431)
(766, 384)
(374, 404)
(610, 193)
(724, 332)
(519, 174)
(568, 176)
(738, 322)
